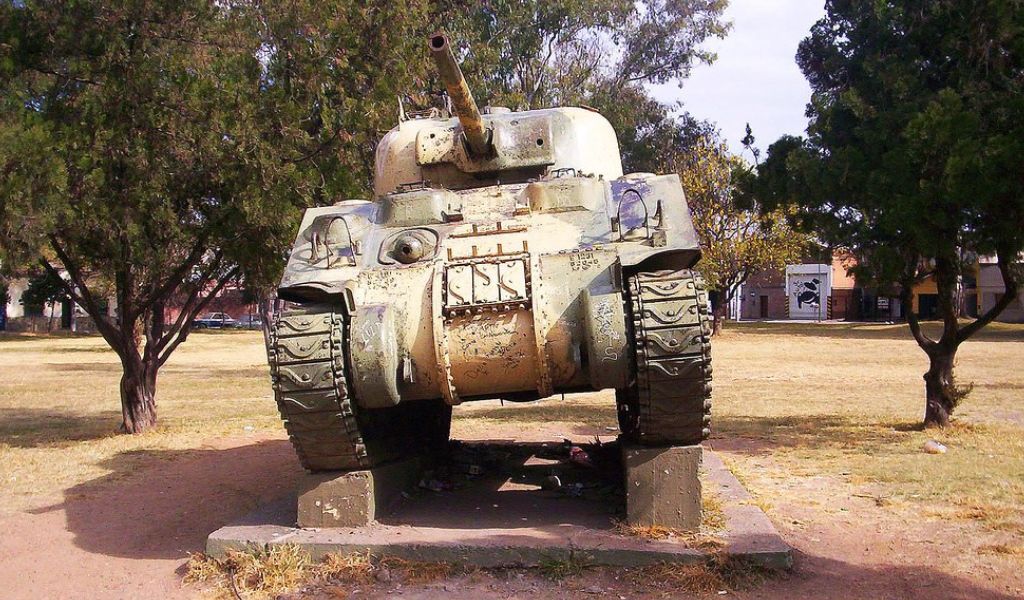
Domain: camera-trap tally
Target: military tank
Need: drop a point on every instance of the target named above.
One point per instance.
(504, 256)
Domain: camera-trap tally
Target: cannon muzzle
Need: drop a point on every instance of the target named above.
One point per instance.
(478, 138)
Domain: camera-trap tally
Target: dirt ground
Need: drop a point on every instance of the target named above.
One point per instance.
(816, 420)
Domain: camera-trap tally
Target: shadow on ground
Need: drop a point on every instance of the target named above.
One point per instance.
(168, 504)
(761, 435)
(589, 419)
(36, 428)
(826, 578)
(506, 491)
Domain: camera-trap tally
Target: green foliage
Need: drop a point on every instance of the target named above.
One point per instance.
(600, 54)
(167, 147)
(915, 136)
(913, 150)
(44, 289)
(538, 54)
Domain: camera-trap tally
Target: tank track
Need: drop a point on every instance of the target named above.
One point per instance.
(669, 401)
(328, 429)
(307, 369)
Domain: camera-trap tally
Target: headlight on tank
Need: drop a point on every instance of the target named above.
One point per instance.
(409, 246)
(408, 249)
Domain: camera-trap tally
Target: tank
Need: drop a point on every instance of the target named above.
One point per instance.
(504, 255)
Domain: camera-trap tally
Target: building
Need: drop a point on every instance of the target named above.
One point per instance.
(925, 297)
(990, 289)
(763, 296)
(808, 291)
(16, 315)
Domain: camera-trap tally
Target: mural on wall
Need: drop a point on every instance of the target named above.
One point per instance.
(808, 288)
(807, 292)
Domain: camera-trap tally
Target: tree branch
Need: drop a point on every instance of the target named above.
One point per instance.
(176, 276)
(184, 319)
(183, 331)
(1010, 292)
(80, 293)
(906, 300)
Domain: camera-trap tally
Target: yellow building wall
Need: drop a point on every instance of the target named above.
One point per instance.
(925, 287)
(928, 287)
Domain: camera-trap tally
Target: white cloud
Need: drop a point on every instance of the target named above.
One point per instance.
(755, 78)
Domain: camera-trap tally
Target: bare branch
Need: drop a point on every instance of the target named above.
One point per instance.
(81, 294)
(175, 278)
(184, 319)
(1011, 290)
(182, 333)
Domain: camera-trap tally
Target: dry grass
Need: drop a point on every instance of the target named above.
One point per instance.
(256, 573)
(260, 573)
(417, 572)
(716, 576)
(1002, 550)
(354, 568)
(60, 408)
(846, 406)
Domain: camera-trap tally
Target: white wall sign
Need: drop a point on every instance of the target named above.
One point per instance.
(808, 288)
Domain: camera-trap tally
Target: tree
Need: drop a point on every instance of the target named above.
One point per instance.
(529, 55)
(913, 154)
(600, 54)
(4, 299)
(166, 147)
(45, 289)
(736, 238)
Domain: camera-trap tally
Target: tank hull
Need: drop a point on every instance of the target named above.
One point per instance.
(518, 288)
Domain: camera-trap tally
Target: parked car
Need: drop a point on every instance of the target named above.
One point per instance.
(217, 320)
(249, 322)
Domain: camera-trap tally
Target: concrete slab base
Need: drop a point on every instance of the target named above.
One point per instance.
(355, 498)
(663, 486)
(508, 521)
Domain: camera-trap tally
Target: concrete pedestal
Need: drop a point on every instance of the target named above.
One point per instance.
(662, 486)
(515, 526)
(353, 498)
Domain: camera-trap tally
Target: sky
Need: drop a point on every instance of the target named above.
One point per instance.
(755, 78)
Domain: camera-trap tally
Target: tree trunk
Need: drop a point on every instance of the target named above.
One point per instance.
(718, 320)
(941, 393)
(266, 308)
(138, 397)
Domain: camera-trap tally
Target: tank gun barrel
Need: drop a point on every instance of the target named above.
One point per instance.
(477, 136)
